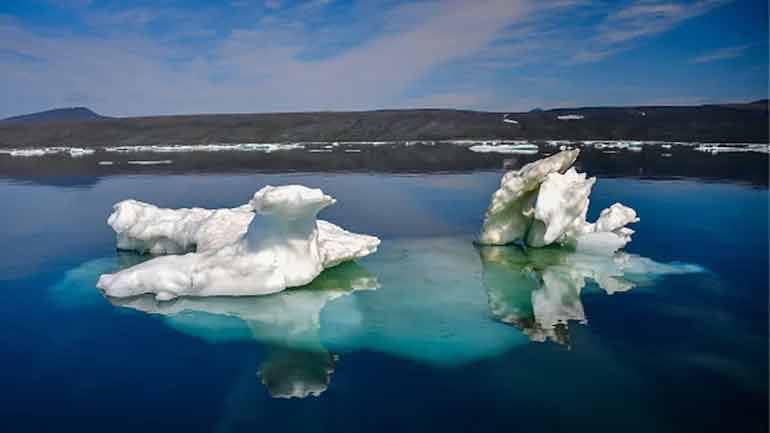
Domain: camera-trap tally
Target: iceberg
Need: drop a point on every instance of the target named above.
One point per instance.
(271, 243)
(546, 202)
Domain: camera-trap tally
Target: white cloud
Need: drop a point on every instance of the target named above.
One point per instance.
(637, 20)
(253, 69)
(721, 54)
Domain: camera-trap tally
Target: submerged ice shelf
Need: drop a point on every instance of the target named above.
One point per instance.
(546, 202)
(427, 300)
(263, 247)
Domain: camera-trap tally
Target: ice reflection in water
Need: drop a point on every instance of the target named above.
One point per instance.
(298, 364)
(538, 289)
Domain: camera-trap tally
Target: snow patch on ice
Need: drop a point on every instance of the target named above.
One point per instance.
(571, 117)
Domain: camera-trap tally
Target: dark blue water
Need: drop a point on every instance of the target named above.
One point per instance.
(441, 337)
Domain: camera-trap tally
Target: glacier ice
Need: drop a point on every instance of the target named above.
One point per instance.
(546, 202)
(263, 247)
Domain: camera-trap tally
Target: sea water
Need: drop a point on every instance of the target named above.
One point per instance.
(430, 333)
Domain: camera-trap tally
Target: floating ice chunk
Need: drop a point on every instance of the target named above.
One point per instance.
(523, 149)
(634, 146)
(154, 162)
(223, 147)
(79, 151)
(29, 152)
(546, 202)
(717, 148)
(42, 151)
(237, 253)
(511, 121)
(509, 214)
(615, 218)
(571, 117)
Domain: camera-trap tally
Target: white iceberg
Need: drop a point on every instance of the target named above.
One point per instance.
(546, 202)
(236, 252)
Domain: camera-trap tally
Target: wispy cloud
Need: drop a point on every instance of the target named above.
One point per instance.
(638, 20)
(721, 54)
(257, 68)
(270, 55)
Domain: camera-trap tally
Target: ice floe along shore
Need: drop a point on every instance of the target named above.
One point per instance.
(265, 246)
(42, 151)
(504, 146)
(523, 148)
(546, 202)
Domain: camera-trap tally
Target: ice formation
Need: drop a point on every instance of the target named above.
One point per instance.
(43, 151)
(221, 147)
(546, 202)
(524, 149)
(717, 148)
(263, 247)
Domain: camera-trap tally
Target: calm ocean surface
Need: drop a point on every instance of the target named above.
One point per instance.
(430, 333)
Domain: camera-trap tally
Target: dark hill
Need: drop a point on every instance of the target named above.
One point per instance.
(74, 114)
(712, 123)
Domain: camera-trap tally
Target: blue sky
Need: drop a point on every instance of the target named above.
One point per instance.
(165, 57)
